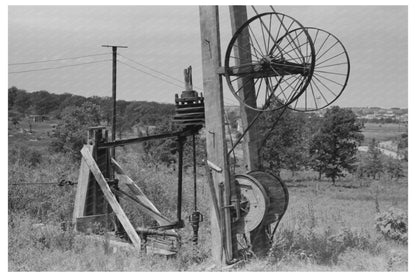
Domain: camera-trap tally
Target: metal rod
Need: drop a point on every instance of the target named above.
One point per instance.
(123, 142)
(180, 165)
(114, 92)
(194, 169)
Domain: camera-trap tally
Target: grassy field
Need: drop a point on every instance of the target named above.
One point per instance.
(382, 132)
(326, 228)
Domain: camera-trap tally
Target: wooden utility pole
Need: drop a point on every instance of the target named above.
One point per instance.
(114, 90)
(215, 132)
(242, 53)
(238, 14)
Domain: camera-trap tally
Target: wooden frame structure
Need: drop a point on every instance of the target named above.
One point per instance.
(96, 201)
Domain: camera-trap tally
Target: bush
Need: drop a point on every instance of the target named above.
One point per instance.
(392, 224)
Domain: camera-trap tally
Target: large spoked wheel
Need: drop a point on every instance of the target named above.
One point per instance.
(272, 56)
(331, 73)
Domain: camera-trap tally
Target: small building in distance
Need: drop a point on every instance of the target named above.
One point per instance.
(37, 118)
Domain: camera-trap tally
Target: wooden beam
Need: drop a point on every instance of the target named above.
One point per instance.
(128, 227)
(215, 129)
(238, 15)
(82, 187)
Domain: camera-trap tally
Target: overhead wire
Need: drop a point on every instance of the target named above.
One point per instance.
(59, 59)
(156, 71)
(149, 68)
(150, 74)
(57, 67)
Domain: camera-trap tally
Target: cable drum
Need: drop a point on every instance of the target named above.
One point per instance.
(264, 199)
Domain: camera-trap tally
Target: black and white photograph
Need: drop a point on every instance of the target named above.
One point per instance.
(219, 138)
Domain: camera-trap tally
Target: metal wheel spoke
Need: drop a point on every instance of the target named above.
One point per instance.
(325, 86)
(264, 40)
(283, 90)
(268, 39)
(328, 50)
(317, 52)
(314, 97)
(255, 39)
(258, 89)
(327, 72)
(288, 33)
(335, 64)
(330, 58)
(300, 45)
(292, 66)
(313, 82)
(247, 51)
(280, 27)
(290, 85)
(329, 80)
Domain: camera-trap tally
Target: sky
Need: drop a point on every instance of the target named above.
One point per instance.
(164, 40)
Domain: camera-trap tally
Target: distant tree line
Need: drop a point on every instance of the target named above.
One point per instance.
(53, 105)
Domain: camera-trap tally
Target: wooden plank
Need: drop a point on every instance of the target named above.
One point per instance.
(82, 187)
(86, 223)
(215, 128)
(128, 227)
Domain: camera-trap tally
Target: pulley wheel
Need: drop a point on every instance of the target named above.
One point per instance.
(254, 201)
(331, 73)
(276, 63)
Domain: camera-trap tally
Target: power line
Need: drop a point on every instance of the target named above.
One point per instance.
(60, 59)
(58, 67)
(147, 73)
(156, 71)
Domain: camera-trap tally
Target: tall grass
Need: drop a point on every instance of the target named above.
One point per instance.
(325, 228)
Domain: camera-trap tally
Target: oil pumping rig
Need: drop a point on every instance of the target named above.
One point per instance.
(270, 58)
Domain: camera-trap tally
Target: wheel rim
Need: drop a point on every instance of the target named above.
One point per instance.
(331, 73)
(277, 63)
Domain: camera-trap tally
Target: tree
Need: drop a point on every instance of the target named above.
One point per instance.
(394, 168)
(373, 161)
(71, 133)
(44, 102)
(402, 146)
(334, 146)
(285, 146)
(12, 93)
(22, 102)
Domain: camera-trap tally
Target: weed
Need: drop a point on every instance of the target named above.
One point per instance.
(392, 224)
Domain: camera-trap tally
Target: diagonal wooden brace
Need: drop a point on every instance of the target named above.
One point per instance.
(109, 196)
(144, 203)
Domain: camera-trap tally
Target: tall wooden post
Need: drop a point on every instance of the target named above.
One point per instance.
(238, 15)
(114, 95)
(215, 129)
